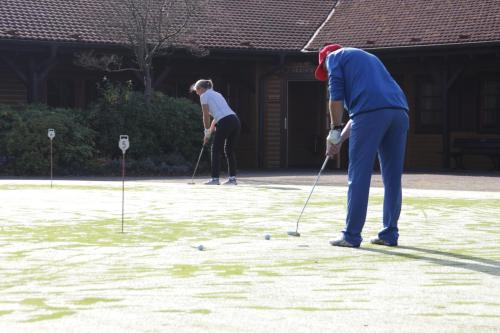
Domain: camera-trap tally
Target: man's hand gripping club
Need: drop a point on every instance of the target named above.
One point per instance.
(335, 139)
(333, 142)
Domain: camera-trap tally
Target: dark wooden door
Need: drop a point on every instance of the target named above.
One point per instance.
(305, 121)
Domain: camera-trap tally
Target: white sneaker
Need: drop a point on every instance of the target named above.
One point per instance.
(230, 181)
(213, 181)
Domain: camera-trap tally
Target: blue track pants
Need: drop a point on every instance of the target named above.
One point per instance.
(383, 132)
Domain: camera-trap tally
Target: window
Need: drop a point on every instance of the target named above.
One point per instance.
(61, 93)
(489, 103)
(429, 105)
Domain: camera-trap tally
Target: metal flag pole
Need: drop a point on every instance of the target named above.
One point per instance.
(124, 145)
(51, 134)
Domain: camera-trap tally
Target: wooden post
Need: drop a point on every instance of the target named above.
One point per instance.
(33, 73)
(447, 84)
(446, 130)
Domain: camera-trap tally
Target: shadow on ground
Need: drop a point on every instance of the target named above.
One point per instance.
(472, 263)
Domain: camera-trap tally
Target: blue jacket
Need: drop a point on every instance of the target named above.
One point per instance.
(362, 82)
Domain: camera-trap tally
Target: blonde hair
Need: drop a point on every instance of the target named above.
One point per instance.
(205, 84)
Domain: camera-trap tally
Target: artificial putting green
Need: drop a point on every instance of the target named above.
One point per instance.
(66, 266)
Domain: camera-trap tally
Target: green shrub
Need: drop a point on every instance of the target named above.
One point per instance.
(8, 116)
(26, 146)
(164, 135)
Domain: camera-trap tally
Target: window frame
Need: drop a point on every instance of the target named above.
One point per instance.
(421, 128)
(482, 128)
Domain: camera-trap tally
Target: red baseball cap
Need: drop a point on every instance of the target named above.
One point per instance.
(320, 72)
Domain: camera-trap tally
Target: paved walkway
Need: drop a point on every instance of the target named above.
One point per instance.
(489, 182)
(450, 181)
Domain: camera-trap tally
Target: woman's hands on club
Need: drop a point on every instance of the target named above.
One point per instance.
(207, 135)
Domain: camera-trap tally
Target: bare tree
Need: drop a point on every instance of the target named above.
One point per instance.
(149, 28)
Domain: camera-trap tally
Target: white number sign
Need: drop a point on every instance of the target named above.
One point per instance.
(51, 134)
(124, 143)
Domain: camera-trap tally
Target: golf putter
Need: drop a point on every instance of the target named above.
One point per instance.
(197, 163)
(296, 232)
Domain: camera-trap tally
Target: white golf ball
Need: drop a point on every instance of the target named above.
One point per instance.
(267, 237)
(201, 247)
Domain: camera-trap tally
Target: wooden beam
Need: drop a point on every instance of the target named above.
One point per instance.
(34, 72)
(455, 76)
(45, 71)
(447, 83)
(16, 68)
(446, 130)
(49, 60)
(32, 81)
(46, 66)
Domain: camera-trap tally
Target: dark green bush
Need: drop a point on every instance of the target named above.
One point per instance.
(8, 116)
(165, 136)
(25, 146)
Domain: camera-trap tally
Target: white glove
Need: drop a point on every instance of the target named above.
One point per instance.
(207, 133)
(334, 137)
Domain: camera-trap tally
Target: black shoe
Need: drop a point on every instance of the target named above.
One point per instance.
(341, 242)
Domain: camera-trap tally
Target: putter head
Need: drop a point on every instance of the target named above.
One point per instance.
(190, 183)
(293, 233)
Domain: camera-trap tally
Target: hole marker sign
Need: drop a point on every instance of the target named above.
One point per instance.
(124, 143)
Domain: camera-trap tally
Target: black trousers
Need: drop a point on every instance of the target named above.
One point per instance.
(227, 134)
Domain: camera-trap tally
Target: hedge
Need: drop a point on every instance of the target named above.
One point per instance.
(165, 136)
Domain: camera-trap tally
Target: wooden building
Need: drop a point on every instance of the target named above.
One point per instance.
(446, 57)
(262, 55)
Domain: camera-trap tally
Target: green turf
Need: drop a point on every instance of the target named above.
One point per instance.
(65, 261)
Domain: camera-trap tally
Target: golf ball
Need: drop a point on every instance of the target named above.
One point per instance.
(201, 247)
(267, 237)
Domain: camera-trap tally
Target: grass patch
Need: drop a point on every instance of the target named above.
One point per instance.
(184, 271)
(51, 316)
(201, 311)
(228, 270)
(95, 300)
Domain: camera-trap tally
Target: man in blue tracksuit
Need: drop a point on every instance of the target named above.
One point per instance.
(378, 113)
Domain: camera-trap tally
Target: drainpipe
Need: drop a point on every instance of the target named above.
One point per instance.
(260, 144)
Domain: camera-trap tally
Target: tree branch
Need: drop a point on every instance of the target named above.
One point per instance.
(148, 28)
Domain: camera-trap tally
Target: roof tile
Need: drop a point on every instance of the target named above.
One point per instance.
(227, 24)
(376, 24)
